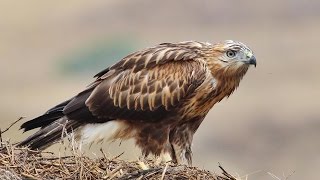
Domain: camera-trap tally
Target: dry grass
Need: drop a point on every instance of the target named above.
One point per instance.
(23, 163)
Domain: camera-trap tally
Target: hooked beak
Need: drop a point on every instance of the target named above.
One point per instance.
(253, 61)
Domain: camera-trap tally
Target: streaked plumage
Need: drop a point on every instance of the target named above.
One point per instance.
(158, 96)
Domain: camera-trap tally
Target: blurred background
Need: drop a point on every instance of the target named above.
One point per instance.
(50, 50)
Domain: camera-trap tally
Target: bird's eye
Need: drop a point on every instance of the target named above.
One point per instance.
(231, 53)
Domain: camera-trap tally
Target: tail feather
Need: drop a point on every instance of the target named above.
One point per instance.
(46, 119)
(48, 135)
(41, 121)
(65, 117)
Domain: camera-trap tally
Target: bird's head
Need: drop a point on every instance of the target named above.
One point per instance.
(231, 58)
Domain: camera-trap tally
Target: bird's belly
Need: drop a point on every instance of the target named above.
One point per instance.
(103, 132)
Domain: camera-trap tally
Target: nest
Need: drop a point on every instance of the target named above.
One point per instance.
(23, 163)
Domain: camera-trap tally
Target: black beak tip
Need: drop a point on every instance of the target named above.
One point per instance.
(253, 61)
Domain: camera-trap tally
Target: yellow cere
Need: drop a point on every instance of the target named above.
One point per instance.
(249, 54)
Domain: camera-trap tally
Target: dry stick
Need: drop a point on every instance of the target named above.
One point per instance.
(116, 157)
(1, 138)
(290, 175)
(113, 173)
(13, 124)
(164, 171)
(8, 129)
(104, 154)
(28, 176)
(149, 174)
(55, 158)
(225, 173)
(12, 155)
(137, 174)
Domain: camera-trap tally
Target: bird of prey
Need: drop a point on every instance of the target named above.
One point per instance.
(158, 96)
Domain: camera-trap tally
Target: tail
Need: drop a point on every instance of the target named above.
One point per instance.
(50, 134)
(46, 119)
(53, 124)
(64, 117)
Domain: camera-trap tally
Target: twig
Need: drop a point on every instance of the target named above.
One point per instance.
(28, 176)
(273, 176)
(290, 175)
(113, 173)
(12, 125)
(55, 158)
(104, 154)
(116, 157)
(225, 173)
(137, 174)
(164, 171)
(1, 138)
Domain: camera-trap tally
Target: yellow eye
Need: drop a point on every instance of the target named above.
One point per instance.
(231, 53)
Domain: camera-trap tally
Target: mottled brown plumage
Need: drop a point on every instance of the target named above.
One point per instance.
(159, 96)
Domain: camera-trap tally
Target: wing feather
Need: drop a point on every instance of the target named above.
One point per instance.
(146, 84)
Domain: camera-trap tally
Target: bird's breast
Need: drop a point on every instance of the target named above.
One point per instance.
(206, 96)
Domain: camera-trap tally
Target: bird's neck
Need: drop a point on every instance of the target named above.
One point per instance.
(228, 79)
(225, 84)
(216, 89)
